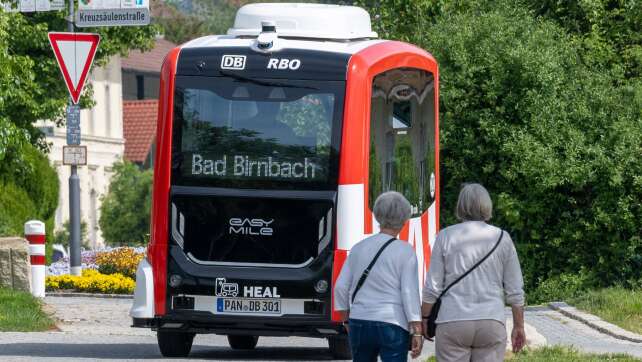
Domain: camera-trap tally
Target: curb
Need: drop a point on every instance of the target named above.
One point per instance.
(90, 295)
(595, 322)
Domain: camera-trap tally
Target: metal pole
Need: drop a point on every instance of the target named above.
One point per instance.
(75, 262)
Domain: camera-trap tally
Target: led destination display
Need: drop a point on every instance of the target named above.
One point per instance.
(246, 166)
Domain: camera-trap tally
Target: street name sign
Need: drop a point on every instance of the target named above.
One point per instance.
(74, 155)
(75, 53)
(92, 13)
(113, 17)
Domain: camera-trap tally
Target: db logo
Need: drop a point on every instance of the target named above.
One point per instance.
(233, 62)
(284, 64)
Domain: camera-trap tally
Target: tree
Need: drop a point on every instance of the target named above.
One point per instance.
(32, 89)
(609, 31)
(125, 209)
(556, 140)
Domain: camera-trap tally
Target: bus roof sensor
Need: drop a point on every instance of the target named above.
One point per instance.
(317, 21)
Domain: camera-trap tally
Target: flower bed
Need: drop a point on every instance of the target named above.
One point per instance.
(120, 260)
(92, 281)
(109, 257)
(109, 271)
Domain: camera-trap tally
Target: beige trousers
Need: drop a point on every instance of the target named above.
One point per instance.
(474, 341)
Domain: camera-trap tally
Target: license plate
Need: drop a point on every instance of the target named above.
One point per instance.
(245, 305)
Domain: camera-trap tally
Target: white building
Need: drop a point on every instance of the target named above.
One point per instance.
(102, 133)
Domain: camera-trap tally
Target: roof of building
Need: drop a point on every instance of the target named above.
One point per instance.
(139, 128)
(150, 61)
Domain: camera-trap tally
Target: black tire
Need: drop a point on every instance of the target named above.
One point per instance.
(174, 344)
(340, 347)
(243, 342)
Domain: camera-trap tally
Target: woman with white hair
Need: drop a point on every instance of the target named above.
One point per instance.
(378, 289)
(474, 272)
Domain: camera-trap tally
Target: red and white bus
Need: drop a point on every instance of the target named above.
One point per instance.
(272, 143)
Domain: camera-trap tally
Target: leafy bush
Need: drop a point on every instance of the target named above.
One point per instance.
(92, 281)
(30, 192)
(15, 209)
(124, 213)
(555, 140)
(563, 287)
(120, 260)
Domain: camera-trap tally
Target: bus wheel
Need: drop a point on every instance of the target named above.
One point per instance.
(174, 344)
(243, 342)
(340, 347)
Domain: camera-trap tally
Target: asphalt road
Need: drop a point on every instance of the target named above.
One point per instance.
(98, 329)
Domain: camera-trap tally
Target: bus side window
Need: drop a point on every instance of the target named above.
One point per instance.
(402, 131)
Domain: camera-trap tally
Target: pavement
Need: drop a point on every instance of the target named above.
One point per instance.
(98, 329)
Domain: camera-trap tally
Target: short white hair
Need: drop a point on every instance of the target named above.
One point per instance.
(391, 210)
(474, 204)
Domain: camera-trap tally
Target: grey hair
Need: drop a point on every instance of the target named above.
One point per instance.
(392, 210)
(474, 204)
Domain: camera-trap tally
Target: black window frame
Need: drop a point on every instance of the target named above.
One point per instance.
(336, 87)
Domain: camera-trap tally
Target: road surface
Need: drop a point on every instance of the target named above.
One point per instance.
(98, 329)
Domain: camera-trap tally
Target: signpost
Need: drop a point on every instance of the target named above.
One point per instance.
(75, 53)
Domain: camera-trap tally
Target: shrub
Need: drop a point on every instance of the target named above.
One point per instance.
(563, 287)
(92, 281)
(124, 213)
(16, 208)
(120, 260)
(557, 142)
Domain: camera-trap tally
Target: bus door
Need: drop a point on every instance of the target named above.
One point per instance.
(403, 153)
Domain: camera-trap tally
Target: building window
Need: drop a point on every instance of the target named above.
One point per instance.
(402, 136)
(140, 87)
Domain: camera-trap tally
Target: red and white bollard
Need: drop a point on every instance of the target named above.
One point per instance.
(35, 234)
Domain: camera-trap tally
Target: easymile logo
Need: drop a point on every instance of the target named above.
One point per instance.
(236, 62)
(247, 226)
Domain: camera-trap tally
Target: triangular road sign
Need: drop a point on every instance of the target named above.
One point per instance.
(75, 54)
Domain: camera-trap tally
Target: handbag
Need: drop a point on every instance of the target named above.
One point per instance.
(431, 326)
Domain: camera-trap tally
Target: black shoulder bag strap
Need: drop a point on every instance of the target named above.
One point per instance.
(501, 235)
(431, 326)
(364, 276)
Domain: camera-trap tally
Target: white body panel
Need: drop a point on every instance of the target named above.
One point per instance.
(143, 306)
(305, 21)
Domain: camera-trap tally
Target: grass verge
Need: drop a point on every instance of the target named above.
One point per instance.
(21, 312)
(622, 307)
(561, 354)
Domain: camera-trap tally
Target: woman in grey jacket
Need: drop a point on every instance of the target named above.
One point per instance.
(470, 323)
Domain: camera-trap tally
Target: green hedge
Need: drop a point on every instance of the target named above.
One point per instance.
(28, 190)
(555, 139)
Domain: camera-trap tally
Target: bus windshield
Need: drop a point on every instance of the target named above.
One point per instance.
(246, 133)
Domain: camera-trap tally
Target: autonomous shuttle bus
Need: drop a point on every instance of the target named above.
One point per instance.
(272, 143)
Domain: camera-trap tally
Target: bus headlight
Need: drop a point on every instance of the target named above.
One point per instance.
(321, 286)
(175, 280)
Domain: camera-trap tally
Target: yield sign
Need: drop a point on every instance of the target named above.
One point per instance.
(75, 54)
